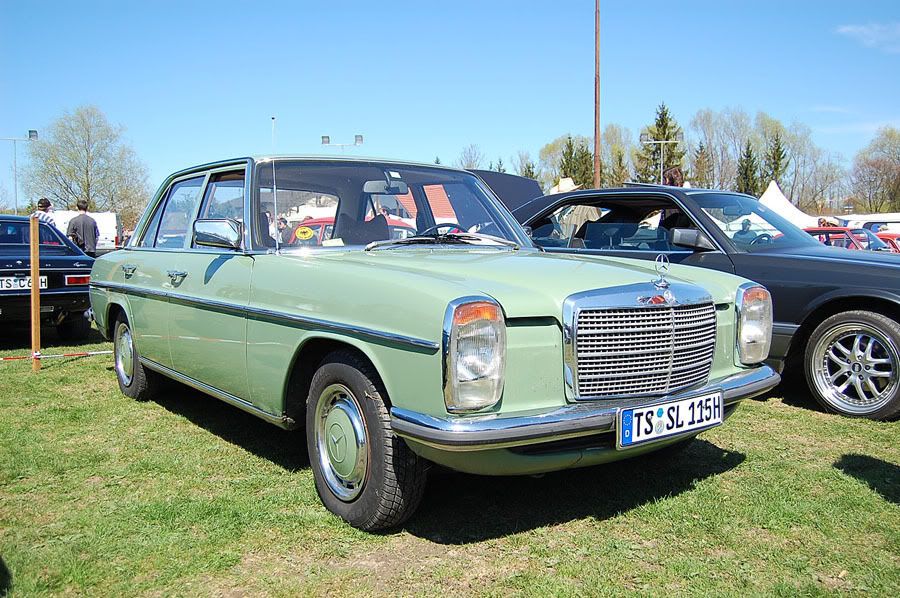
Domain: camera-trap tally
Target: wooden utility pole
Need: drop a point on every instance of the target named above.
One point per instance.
(597, 95)
(35, 294)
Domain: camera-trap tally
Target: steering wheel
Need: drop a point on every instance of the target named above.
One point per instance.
(437, 227)
(762, 239)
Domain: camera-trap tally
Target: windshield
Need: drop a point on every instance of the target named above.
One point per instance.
(868, 240)
(319, 204)
(750, 225)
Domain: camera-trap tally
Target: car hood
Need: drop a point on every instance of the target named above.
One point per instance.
(527, 283)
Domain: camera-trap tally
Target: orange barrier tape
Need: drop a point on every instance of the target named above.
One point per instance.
(39, 356)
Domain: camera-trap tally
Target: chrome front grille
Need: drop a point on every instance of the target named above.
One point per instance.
(648, 350)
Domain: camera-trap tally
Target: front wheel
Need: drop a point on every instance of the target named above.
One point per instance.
(852, 365)
(363, 472)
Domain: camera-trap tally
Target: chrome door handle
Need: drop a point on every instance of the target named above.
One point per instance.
(128, 269)
(176, 275)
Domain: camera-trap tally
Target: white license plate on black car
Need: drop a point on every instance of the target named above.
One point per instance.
(19, 283)
(638, 425)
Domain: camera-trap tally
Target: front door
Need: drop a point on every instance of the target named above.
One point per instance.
(207, 322)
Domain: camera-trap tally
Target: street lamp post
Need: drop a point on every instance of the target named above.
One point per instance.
(32, 136)
(647, 140)
(357, 140)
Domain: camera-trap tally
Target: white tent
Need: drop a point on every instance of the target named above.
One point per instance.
(775, 200)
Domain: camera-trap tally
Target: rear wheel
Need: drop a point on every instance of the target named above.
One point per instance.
(76, 327)
(134, 380)
(852, 365)
(363, 472)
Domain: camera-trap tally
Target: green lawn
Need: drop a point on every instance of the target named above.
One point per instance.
(102, 496)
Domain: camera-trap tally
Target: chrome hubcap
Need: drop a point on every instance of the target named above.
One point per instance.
(856, 368)
(124, 353)
(341, 442)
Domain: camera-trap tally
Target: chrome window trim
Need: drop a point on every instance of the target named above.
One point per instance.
(209, 174)
(446, 362)
(249, 311)
(614, 297)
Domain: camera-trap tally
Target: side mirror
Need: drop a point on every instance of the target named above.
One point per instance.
(690, 238)
(529, 231)
(223, 233)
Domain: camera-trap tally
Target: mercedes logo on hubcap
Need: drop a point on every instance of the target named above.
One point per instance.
(338, 443)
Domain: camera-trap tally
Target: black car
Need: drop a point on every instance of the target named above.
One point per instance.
(836, 311)
(65, 275)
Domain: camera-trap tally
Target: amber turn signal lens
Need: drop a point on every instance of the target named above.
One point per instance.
(478, 310)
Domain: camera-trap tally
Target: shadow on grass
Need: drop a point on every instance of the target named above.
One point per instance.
(880, 476)
(19, 337)
(5, 579)
(459, 508)
(286, 449)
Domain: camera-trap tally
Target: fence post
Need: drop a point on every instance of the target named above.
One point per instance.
(35, 294)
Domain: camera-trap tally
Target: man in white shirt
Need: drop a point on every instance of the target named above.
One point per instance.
(44, 207)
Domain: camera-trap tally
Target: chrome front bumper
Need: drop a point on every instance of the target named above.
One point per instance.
(495, 431)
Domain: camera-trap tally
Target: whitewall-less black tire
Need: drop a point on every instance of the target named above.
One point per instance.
(363, 472)
(134, 380)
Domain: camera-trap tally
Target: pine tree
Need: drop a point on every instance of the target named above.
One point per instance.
(500, 167)
(747, 172)
(647, 158)
(567, 166)
(529, 170)
(701, 170)
(775, 161)
(618, 171)
(437, 160)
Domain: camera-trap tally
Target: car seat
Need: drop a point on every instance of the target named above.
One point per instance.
(354, 232)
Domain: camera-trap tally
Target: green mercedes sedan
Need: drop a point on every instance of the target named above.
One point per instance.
(399, 315)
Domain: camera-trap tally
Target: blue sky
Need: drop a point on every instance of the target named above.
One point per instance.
(193, 82)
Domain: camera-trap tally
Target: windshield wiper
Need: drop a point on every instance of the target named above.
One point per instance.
(445, 238)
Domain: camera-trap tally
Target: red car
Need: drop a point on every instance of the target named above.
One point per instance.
(892, 240)
(848, 238)
(316, 230)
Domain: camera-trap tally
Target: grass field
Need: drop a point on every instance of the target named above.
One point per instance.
(103, 496)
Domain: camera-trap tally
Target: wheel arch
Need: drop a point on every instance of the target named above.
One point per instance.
(833, 303)
(113, 309)
(307, 359)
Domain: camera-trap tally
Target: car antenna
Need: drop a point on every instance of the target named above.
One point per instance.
(274, 193)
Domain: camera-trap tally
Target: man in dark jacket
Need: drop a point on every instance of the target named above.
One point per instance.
(83, 230)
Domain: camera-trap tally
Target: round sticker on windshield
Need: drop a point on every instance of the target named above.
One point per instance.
(304, 233)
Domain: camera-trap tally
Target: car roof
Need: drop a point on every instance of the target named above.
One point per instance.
(14, 218)
(268, 157)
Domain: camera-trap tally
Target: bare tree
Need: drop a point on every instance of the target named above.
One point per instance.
(83, 156)
(470, 157)
(876, 173)
(525, 166)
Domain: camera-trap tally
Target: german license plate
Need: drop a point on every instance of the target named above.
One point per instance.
(638, 425)
(19, 283)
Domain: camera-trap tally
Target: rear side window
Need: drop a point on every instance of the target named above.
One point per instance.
(172, 221)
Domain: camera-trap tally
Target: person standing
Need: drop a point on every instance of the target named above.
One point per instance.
(83, 230)
(44, 207)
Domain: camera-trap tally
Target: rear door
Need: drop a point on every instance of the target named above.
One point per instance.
(144, 267)
(211, 289)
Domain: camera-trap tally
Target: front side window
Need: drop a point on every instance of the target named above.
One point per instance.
(612, 224)
(224, 197)
(355, 203)
(750, 225)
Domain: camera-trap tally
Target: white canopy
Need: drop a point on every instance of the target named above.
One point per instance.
(775, 200)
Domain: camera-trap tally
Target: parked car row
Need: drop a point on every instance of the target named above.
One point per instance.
(470, 343)
(64, 276)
